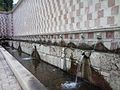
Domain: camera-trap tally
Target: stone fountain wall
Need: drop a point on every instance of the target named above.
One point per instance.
(107, 64)
(79, 24)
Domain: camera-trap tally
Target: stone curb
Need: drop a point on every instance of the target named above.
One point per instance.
(24, 77)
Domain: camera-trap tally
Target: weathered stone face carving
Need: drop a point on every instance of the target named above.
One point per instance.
(35, 54)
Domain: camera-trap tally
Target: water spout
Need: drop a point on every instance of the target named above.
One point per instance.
(19, 48)
(35, 54)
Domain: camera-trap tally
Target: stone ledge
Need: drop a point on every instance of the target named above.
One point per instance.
(25, 78)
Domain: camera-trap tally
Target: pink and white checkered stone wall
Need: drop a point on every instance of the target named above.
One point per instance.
(67, 17)
(3, 25)
(51, 16)
(6, 28)
(90, 17)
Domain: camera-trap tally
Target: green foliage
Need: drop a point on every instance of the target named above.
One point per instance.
(1, 5)
(6, 5)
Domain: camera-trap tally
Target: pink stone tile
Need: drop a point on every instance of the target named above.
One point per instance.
(113, 45)
(55, 19)
(110, 20)
(86, 9)
(71, 2)
(97, 22)
(61, 12)
(100, 13)
(71, 36)
(90, 35)
(78, 1)
(86, 24)
(65, 16)
(89, 16)
(111, 3)
(66, 21)
(66, 36)
(77, 35)
(97, 6)
(101, 0)
(90, 2)
(72, 19)
(73, 8)
(58, 36)
(81, 5)
(78, 24)
(59, 17)
(54, 36)
(110, 35)
(115, 10)
(78, 12)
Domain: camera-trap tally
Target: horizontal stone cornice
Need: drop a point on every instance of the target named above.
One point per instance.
(81, 31)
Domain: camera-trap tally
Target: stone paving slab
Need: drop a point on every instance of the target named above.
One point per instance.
(7, 79)
(26, 79)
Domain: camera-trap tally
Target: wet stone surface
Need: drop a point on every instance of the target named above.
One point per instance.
(49, 75)
(7, 78)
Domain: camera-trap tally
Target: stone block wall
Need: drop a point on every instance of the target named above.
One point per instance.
(106, 64)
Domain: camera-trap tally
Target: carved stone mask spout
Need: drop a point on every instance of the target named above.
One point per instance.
(86, 54)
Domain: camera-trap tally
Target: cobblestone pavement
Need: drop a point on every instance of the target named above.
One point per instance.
(7, 78)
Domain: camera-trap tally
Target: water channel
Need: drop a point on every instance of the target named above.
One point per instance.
(52, 77)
